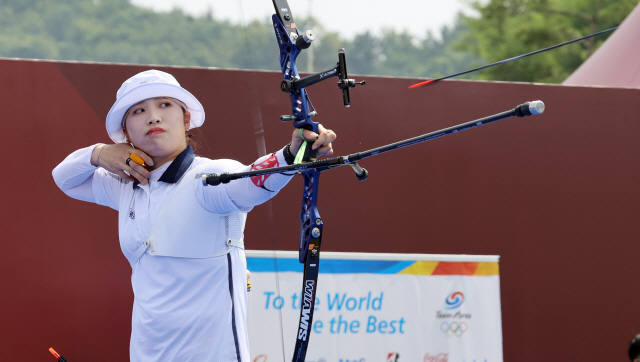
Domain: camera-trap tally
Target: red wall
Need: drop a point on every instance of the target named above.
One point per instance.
(554, 195)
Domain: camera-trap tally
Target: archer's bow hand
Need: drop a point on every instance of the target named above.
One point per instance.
(322, 144)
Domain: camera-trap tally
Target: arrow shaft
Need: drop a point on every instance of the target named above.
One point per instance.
(431, 81)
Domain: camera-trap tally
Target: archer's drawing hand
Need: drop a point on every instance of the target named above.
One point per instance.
(113, 158)
(322, 143)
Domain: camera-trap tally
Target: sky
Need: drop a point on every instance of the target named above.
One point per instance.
(347, 17)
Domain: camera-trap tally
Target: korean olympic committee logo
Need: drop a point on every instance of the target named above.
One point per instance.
(454, 328)
(454, 322)
(454, 300)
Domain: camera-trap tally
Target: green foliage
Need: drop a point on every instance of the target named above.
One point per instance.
(506, 28)
(116, 31)
(391, 54)
(119, 32)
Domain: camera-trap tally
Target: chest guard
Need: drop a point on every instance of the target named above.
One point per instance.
(183, 229)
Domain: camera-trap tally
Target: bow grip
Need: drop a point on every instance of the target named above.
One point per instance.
(309, 154)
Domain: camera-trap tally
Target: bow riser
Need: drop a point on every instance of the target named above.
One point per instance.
(310, 221)
(289, 52)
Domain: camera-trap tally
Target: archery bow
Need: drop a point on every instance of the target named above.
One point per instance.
(291, 43)
(311, 230)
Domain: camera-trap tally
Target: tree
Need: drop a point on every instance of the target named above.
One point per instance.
(508, 28)
(117, 31)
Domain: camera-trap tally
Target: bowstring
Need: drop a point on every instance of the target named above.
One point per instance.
(258, 128)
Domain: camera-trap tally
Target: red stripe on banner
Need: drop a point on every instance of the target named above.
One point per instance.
(268, 163)
(455, 268)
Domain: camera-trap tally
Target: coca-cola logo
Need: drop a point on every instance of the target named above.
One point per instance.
(440, 357)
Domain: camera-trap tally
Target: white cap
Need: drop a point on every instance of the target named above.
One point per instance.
(149, 84)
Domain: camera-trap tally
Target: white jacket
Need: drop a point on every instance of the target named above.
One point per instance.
(184, 307)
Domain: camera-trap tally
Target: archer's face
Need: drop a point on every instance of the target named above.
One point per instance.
(157, 126)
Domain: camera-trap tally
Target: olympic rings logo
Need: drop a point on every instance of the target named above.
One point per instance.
(454, 328)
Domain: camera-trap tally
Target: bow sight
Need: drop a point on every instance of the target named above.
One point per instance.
(340, 71)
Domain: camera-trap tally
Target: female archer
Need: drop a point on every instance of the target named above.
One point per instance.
(184, 241)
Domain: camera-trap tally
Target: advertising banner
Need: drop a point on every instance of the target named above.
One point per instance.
(378, 308)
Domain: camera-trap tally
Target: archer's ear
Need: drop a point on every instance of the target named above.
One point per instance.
(187, 120)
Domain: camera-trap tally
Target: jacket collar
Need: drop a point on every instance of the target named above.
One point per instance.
(177, 168)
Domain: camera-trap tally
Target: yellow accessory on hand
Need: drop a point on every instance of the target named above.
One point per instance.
(137, 159)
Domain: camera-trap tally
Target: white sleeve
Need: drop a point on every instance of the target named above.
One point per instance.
(242, 194)
(78, 178)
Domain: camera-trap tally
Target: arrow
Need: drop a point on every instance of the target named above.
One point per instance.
(432, 81)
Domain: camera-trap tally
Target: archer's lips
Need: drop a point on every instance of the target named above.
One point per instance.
(155, 131)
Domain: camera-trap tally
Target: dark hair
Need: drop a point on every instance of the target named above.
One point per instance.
(634, 348)
(191, 142)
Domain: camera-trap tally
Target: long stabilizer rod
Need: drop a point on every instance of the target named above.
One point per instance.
(523, 110)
